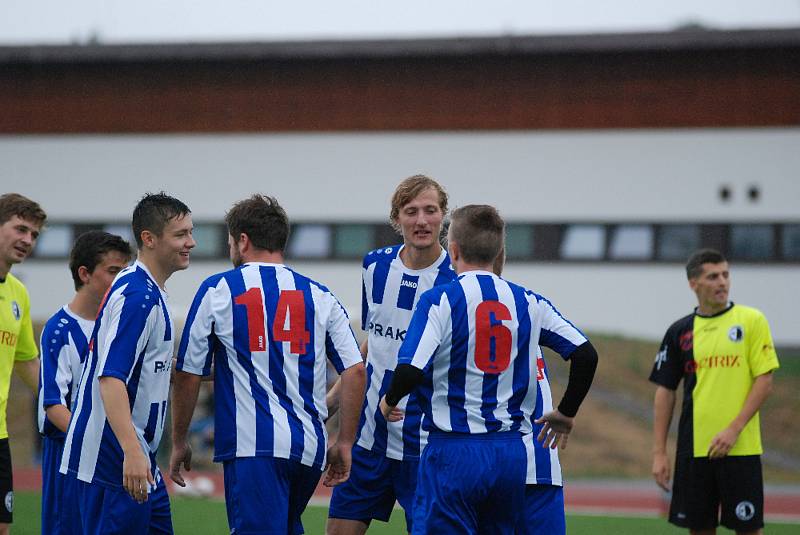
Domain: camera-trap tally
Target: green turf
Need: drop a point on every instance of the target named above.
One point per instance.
(200, 517)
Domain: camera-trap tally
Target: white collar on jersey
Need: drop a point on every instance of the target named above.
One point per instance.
(435, 265)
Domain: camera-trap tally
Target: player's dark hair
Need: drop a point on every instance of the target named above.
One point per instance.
(408, 189)
(262, 219)
(154, 212)
(479, 232)
(89, 249)
(14, 204)
(694, 266)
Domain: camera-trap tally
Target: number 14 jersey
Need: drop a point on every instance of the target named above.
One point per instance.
(267, 330)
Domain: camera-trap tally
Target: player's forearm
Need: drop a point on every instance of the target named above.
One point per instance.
(583, 364)
(59, 416)
(351, 397)
(117, 406)
(762, 387)
(184, 399)
(405, 379)
(28, 371)
(663, 406)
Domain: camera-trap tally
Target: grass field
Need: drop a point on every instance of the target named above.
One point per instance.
(201, 517)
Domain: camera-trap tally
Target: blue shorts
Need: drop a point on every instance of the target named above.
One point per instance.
(107, 511)
(470, 484)
(544, 511)
(376, 481)
(56, 503)
(267, 495)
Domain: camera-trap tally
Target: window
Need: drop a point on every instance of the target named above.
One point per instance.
(752, 242)
(209, 240)
(310, 241)
(583, 242)
(677, 242)
(519, 241)
(54, 242)
(790, 244)
(353, 241)
(632, 242)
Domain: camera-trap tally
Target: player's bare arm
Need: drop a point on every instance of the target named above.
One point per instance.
(353, 380)
(185, 389)
(332, 397)
(136, 477)
(724, 441)
(59, 416)
(28, 371)
(663, 406)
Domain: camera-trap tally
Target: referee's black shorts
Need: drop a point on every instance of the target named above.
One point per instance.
(727, 491)
(6, 483)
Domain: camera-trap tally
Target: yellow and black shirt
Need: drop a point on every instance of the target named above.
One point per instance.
(718, 357)
(16, 337)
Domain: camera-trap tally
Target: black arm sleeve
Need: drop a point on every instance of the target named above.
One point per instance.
(582, 365)
(405, 379)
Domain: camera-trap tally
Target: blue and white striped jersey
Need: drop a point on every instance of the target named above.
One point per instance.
(267, 330)
(133, 342)
(390, 292)
(477, 339)
(64, 345)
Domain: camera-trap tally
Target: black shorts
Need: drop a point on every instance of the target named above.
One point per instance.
(6, 484)
(727, 491)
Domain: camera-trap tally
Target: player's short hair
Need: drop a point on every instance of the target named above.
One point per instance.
(154, 212)
(479, 232)
(263, 220)
(694, 266)
(14, 204)
(89, 249)
(410, 188)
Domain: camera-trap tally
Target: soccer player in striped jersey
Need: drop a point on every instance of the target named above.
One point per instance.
(269, 332)
(94, 261)
(471, 352)
(118, 414)
(386, 455)
(544, 495)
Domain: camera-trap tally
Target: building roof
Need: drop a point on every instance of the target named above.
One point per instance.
(679, 40)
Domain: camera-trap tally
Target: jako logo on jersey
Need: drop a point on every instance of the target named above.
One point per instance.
(408, 291)
(389, 332)
(714, 361)
(736, 333)
(162, 366)
(15, 310)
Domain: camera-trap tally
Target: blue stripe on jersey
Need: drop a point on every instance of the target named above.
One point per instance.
(269, 281)
(306, 369)
(241, 340)
(445, 272)
(379, 278)
(225, 403)
(522, 374)
(364, 305)
(83, 418)
(122, 353)
(411, 423)
(408, 289)
(381, 432)
(457, 375)
(190, 317)
(152, 420)
(490, 380)
(133, 385)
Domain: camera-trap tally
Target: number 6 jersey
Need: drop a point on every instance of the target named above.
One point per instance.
(268, 331)
(477, 339)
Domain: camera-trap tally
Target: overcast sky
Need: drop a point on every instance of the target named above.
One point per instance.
(116, 21)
